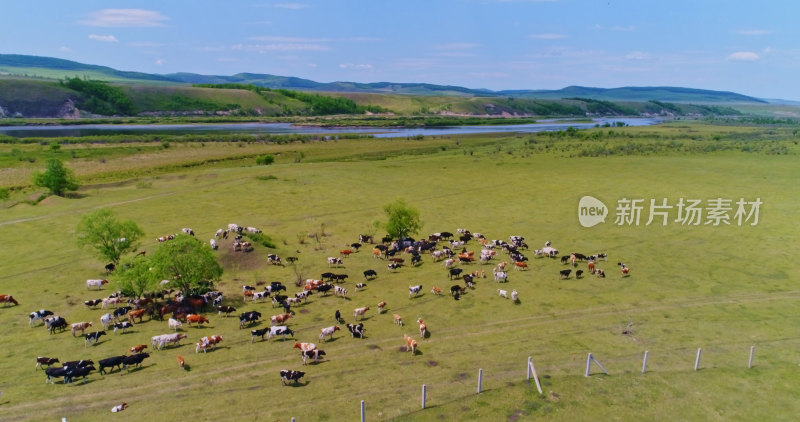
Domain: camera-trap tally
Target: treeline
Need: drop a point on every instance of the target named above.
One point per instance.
(99, 97)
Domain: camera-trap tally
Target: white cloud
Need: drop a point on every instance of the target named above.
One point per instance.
(116, 18)
(637, 55)
(65, 49)
(103, 38)
(313, 65)
(263, 48)
(754, 32)
(291, 6)
(355, 66)
(745, 56)
(290, 39)
(160, 62)
(547, 36)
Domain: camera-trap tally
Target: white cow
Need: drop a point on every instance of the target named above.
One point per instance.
(213, 244)
(502, 293)
(95, 283)
(514, 295)
(174, 324)
(500, 276)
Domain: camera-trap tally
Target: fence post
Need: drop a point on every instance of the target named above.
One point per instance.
(531, 368)
(750, 360)
(697, 359)
(362, 411)
(644, 362)
(588, 362)
(480, 379)
(424, 393)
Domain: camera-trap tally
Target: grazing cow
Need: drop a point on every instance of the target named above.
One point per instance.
(624, 268)
(324, 288)
(312, 284)
(416, 260)
(225, 309)
(274, 259)
(80, 326)
(110, 267)
(94, 336)
(414, 290)
(138, 348)
(469, 281)
(258, 333)
(312, 354)
(423, 328)
(138, 313)
(260, 295)
(357, 331)
(188, 231)
(38, 315)
(365, 238)
(92, 303)
(338, 316)
(514, 295)
(327, 276)
(590, 265)
(502, 293)
(449, 262)
(6, 299)
(213, 244)
(394, 266)
(579, 274)
(360, 286)
(564, 273)
(455, 272)
(599, 273)
(478, 273)
(381, 305)
(328, 332)
(339, 291)
(456, 290)
(377, 253)
(161, 340)
(55, 322)
(124, 325)
(174, 324)
(360, 312)
(134, 360)
(411, 344)
(521, 265)
(42, 360)
(334, 261)
(303, 295)
(95, 283)
(207, 342)
(121, 311)
(345, 252)
(436, 290)
(501, 266)
(564, 259)
(279, 319)
(279, 330)
(115, 361)
(370, 274)
(355, 246)
(304, 346)
(500, 276)
(248, 317)
(398, 320)
(181, 361)
(290, 375)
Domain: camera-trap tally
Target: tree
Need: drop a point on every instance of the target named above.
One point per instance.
(188, 262)
(402, 221)
(57, 178)
(107, 235)
(135, 276)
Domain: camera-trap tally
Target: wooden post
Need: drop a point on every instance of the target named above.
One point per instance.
(588, 362)
(480, 379)
(750, 360)
(644, 362)
(697, 359)
(531, 368)
(362, 411)
(424, 393)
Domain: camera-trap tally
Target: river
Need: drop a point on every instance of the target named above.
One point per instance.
(51, 131)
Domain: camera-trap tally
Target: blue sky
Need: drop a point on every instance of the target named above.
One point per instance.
(745, 47)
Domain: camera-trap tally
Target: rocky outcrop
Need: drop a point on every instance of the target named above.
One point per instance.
(68, 110)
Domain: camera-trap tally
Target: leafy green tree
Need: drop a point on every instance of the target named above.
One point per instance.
(188, 262)
(57, 178)
(135, 277)
(402, 220)
(107, 235)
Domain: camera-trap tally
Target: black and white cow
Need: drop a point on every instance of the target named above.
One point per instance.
(39, 315)
(360, 286)
(279, 330)
(414, 290)
(124, 325)
(356, 330)
(339, 291)
(92, 303)
(312, 354)
(274, 259)
(394, 266)
(290, 375)
(55, 322)
(303, 295)
(94, 336)
(248, 317)
(258, 333)
(121, 311)
(334, 261)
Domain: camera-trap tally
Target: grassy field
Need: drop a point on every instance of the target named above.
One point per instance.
(720, 288)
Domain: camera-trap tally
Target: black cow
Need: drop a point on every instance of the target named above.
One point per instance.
(78, 363)
(455, 272)
(339, 278)
(355, 246)
(416, 259)
(81, 371)
(357, 331)
(324, 288)
(258, 333)
(338, 316)
(279, 300)
(457, 290)
(290, 375)
(579, 274)
(57, 322)
(54, 373)
(110, 267)
(111, 363)
(565, 259)
(93, 336)
(327, 276)
(134, 360)
(580, 256)
(469, 280)
(368, 274)
(445, 235)
(276, 286)
(564, 273)
(246, 317)
(291, 259)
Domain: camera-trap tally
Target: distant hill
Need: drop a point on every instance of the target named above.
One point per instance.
(48, 67)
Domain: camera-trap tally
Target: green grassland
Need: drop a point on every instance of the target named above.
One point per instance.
(719, 288)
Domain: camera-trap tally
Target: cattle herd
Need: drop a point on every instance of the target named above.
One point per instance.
(181, 311)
